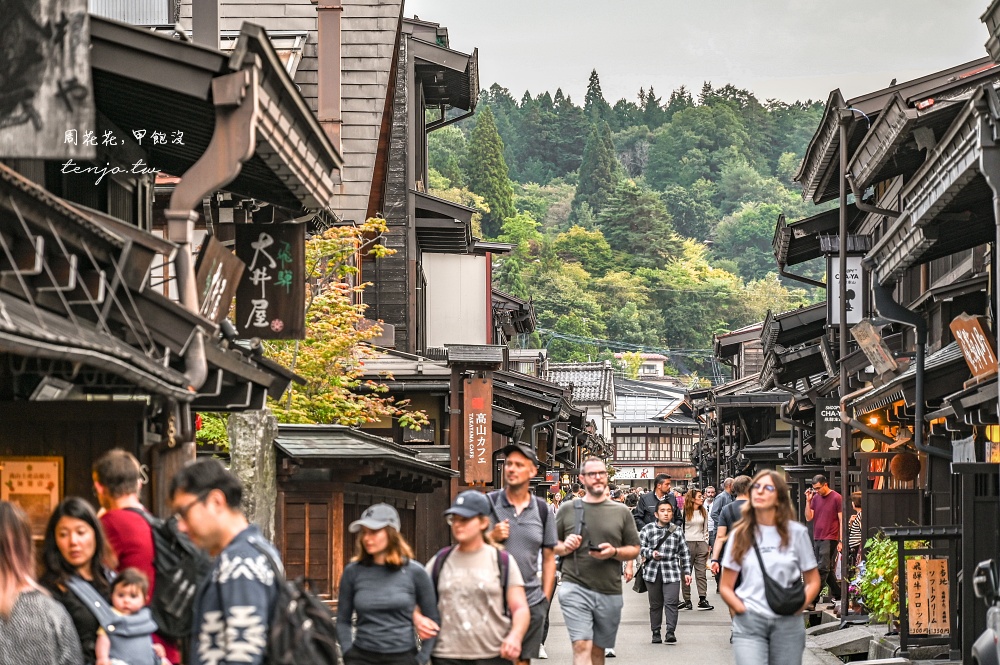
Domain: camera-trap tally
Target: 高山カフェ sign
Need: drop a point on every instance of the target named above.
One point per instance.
(270, 300)
(477, 426)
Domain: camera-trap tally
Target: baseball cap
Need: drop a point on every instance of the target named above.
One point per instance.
(376, 517)
(470, 503)
(523, 449)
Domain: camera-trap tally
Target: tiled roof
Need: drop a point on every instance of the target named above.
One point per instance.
(589, 382)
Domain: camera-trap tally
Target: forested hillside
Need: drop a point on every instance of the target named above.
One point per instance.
(645, 223)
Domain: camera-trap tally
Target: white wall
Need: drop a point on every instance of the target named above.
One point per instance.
(457, 302)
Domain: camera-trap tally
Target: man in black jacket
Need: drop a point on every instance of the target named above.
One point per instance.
(646, 510)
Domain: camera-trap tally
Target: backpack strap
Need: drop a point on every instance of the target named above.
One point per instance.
(543, 514)
(279, 570)
(439, 560)
(578, 515)
(503, 562)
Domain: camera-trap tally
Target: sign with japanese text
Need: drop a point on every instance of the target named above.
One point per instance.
(856, 291)
(927, 596)
(828, 431)
(270, 300)
(974, 339)
(35, 484)
(218, 277)
(634, 473)
(47, 91)
(873, 347)
(477, 418)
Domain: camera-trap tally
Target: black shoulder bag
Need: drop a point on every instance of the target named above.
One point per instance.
(784, 601)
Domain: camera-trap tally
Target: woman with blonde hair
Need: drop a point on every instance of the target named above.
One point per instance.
(774, 554)
(34, 628)
(696, 537)
(379, 592)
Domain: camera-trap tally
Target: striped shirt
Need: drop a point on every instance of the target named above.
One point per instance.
(675, 559)
(854, 531)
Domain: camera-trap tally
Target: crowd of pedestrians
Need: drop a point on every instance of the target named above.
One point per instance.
(484, 600)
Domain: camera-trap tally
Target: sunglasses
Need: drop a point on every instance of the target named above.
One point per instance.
(762, 486)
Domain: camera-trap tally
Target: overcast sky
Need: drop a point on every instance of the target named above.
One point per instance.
(784, 49)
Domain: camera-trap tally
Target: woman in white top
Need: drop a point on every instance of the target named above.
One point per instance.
(696, 535)
(760, 635)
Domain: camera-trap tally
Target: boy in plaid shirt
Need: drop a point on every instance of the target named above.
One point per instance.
(667, 559)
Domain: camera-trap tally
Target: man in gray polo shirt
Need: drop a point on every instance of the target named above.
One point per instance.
(527, 528)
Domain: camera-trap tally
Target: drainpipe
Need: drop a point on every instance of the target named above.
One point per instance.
(534, 434)
(800, 278)
(865, 207)
(989, 166)
(893, 311)
(329, 16)
(857, 424)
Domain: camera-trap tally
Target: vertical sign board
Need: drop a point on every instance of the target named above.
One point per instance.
(927, 596)
(477, 425)
(856, 290)
(270, 300)
(973, 336)
(218, 276)
(877, 352)
(47, 106)
(828, 430)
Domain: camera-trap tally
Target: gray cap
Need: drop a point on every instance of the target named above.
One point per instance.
(522, 448)
(376, 517)
(470, 503)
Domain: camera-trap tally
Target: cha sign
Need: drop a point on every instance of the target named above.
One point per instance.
(270, 301)
(828, 431)
(857, 290)
(477, 424)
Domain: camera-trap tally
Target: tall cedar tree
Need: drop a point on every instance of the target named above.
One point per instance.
(636, 223)
(594, 104)
(599, 171)
(487, 173)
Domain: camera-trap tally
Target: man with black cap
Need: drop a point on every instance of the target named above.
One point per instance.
(527, 528)
(648, 502)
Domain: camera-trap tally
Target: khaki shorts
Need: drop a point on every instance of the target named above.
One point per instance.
(590, 616)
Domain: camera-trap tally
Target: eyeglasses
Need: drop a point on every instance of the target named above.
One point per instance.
(595, 474)
(457, 519)
(762, 486)
(817, 488)
(183, 512)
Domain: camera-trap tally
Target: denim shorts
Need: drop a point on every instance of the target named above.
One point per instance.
(590, 616)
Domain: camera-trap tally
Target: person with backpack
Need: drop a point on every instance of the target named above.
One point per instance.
(666, 561)
(596, 536)
(117, 481)
(379, 590)
(234, 609)
(775, 558)
(527, 529)
(484, 612)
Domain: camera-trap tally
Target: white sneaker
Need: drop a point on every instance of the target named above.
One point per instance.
(541, 652)
(610, 653)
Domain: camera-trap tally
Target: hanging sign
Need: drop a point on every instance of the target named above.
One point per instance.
(218, 276)
(874, 348)
(856, 290)
(477, 419)
(270, 300)
(828, 431)
(927, 596)
(47, 109)
(974, 339)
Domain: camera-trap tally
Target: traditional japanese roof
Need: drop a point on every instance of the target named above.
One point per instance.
(145, 80)
(793, 327)
(798, 242)
(944, 373)
(588, 382)
(728, 344)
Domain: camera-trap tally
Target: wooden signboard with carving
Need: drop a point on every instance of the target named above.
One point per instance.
(873, 347)
(927, 596)
(270, 301)
(972, 333)
(477, 426)
(218, 276)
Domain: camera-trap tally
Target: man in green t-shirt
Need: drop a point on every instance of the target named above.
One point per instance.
(591, 591)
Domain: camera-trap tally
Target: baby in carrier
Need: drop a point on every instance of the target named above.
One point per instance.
(126, 633)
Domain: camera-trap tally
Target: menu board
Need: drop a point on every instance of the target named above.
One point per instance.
(35, 484)
(927, 596)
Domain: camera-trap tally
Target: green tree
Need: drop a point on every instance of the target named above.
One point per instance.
(446, 152)
(588, 248)
(487, 173)
(637, 224)
(599, 170)
(691, 208)
(745, 237)
(653, 114)
(595, 106)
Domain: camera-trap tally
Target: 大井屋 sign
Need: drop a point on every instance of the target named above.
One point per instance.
(270, 301)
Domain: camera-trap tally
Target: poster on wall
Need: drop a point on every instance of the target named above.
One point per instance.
(35, 484)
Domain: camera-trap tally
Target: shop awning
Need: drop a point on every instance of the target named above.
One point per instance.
(449, 77)
(360, 457)
(798, 242)
(793, 327)
(944, 372)
(442, 227)
(775, 448)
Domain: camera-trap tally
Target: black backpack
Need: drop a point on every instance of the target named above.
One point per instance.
(180, 568)
(503, 565)
(303, 631)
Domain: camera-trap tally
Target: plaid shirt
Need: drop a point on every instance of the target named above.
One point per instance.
(676, 559)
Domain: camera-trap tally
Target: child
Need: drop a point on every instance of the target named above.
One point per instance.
(131, 642)
(666, 556)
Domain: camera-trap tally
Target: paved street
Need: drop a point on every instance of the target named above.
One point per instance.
(702, 635)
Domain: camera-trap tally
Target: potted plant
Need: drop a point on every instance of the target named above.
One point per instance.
(877, 580)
